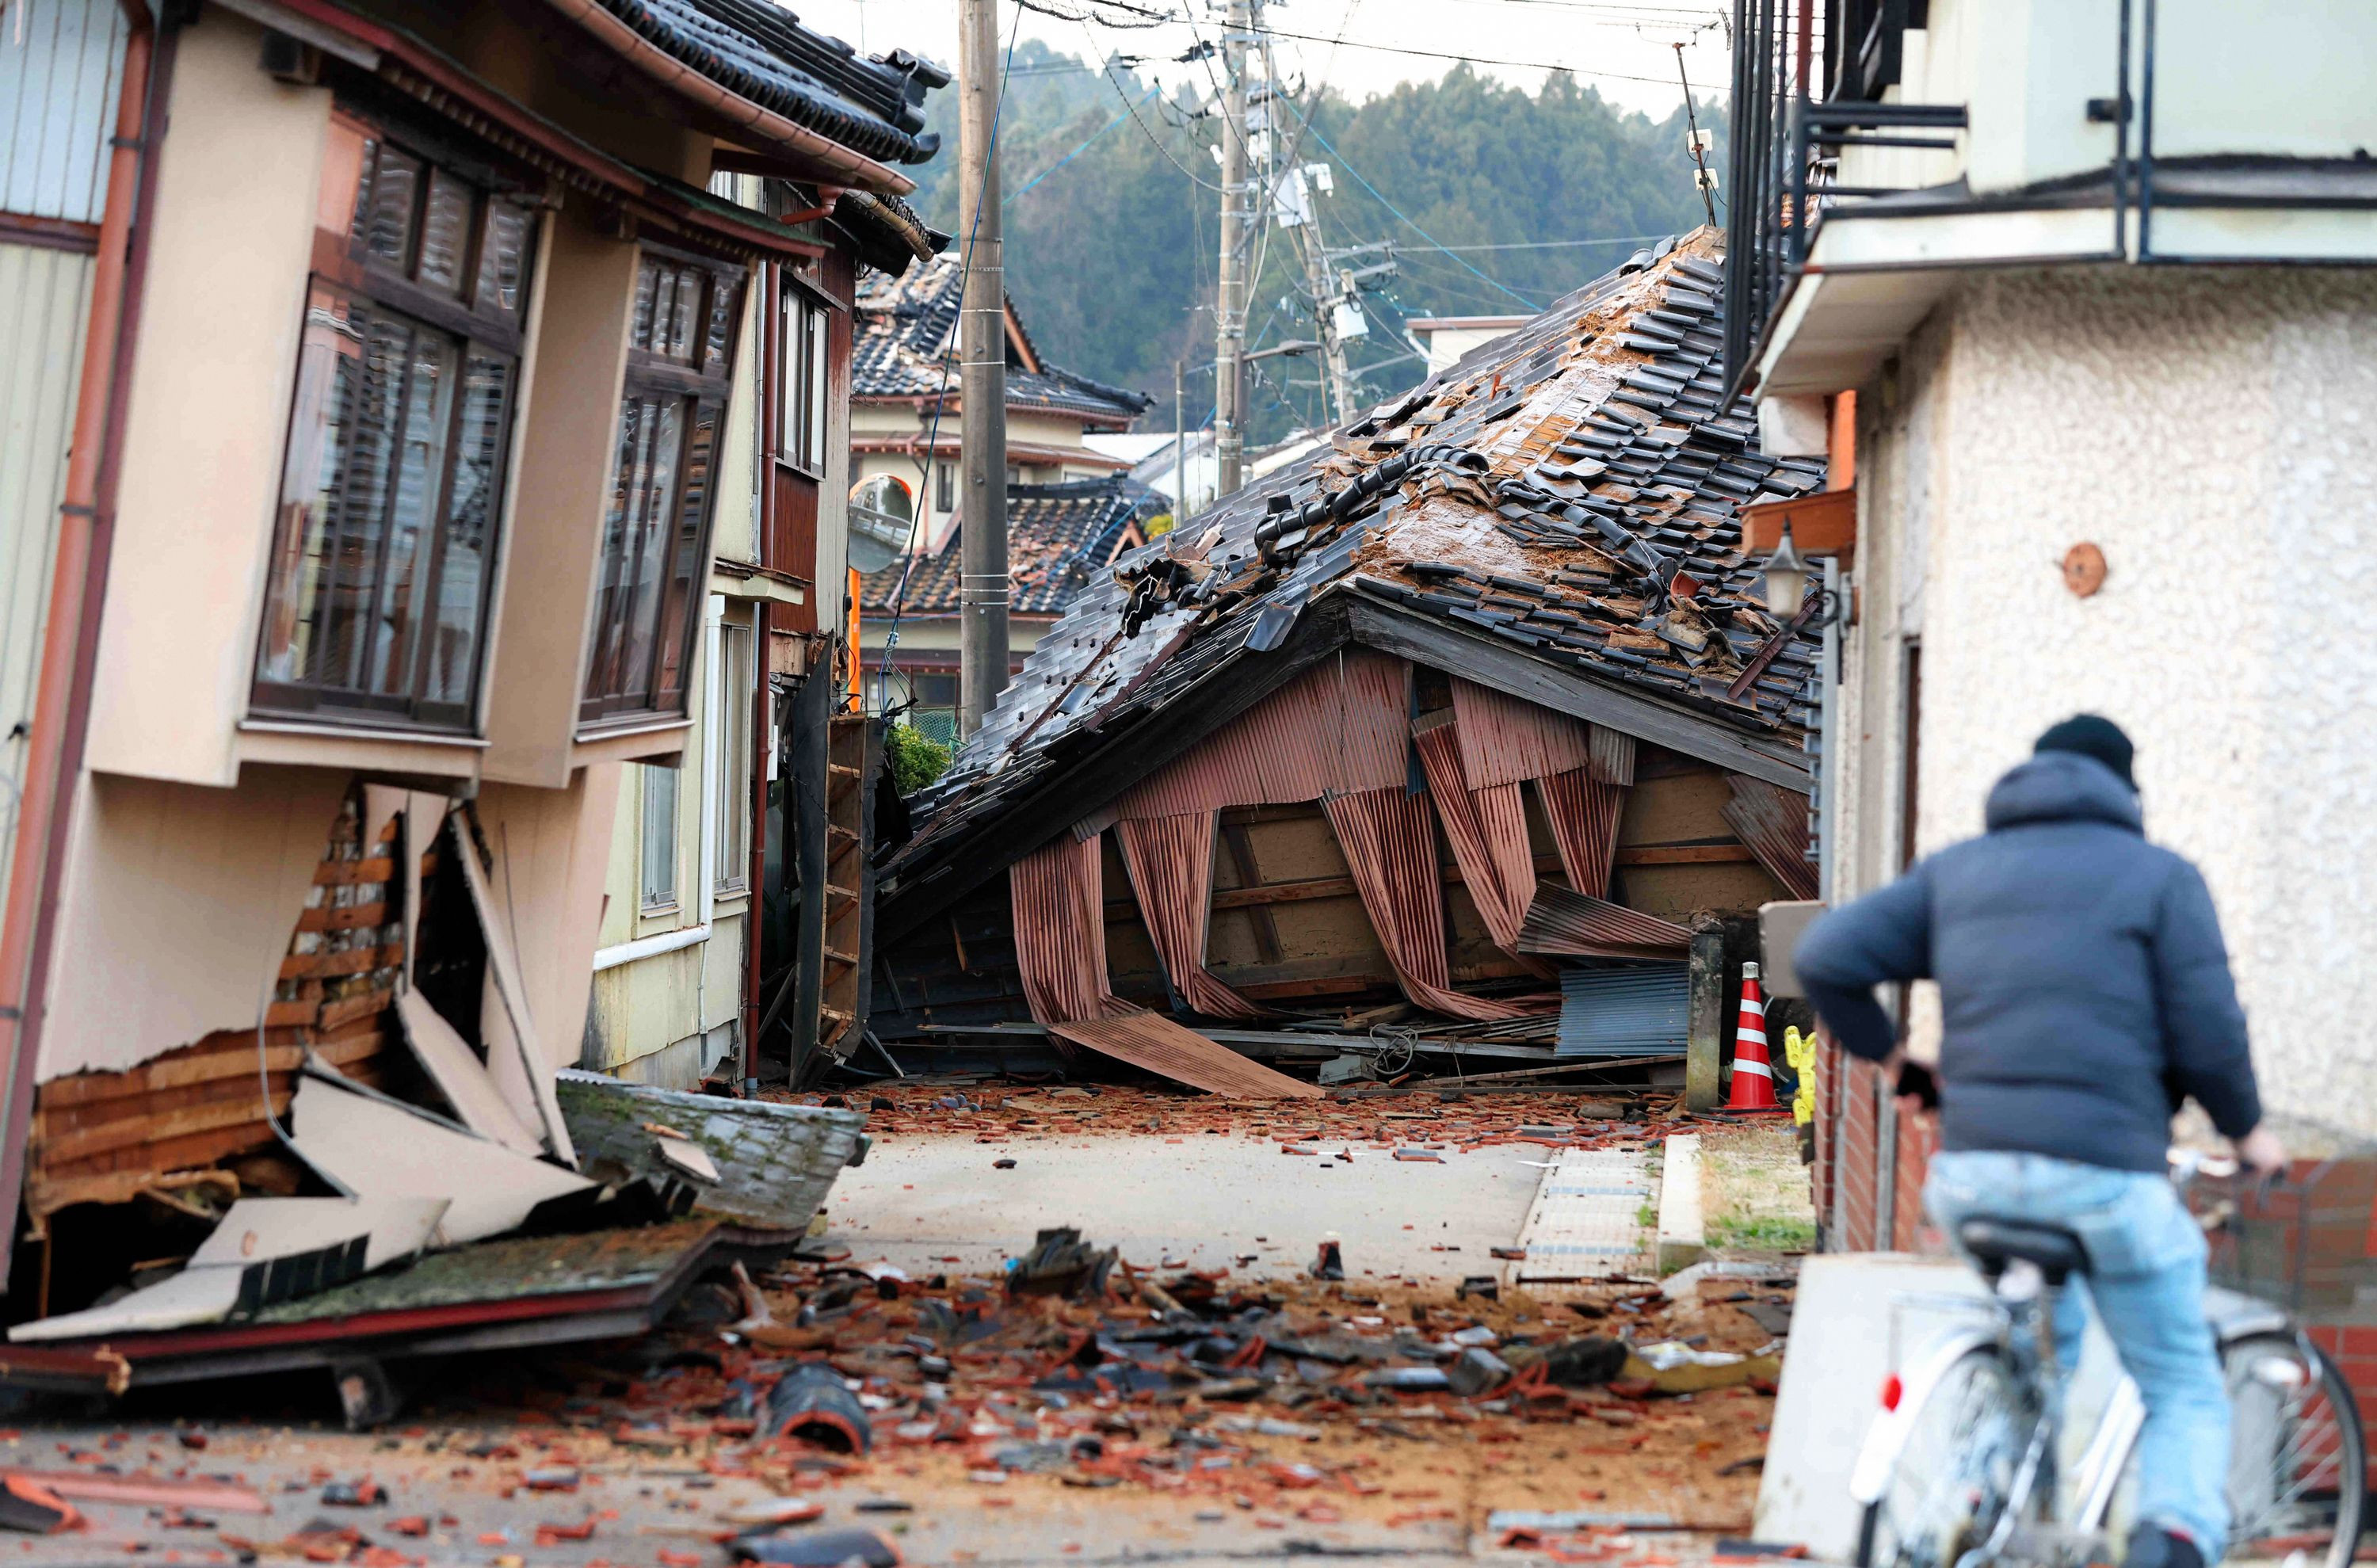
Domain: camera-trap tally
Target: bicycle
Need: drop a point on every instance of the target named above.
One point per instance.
(1963, 1469)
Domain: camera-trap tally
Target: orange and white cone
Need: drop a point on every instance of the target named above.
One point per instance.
(1754, 1070)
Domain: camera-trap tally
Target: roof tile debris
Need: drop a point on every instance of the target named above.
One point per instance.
(907, 328)
(1571, 490)
(1059, 537)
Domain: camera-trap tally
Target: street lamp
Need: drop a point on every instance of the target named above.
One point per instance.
(1786, 576)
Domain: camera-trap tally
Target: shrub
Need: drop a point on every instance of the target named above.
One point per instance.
(916, 757)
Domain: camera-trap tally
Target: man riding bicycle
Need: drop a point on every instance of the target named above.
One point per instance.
(2084, 992)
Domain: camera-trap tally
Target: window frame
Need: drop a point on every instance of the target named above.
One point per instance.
(671, 898)
(804, 391)
(738, 672)
(469, 325)
(700, 389)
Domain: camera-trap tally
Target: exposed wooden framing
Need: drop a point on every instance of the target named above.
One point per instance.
(1427, 640)
(1240, 846)
(1263, 896)
(1064, 795)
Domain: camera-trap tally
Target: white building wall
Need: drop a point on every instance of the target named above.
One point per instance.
(2214, 432)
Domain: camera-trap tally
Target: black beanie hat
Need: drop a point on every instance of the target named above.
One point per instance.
(2092, 737)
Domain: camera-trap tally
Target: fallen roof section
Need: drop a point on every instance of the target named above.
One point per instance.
(1163, 1046)
(1555, 517)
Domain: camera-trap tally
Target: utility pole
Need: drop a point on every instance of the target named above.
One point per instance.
(1179, 442)
(981, 349)
(1317, 282)
(1229, 374)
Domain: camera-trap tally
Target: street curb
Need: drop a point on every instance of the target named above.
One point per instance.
(1683, 1229)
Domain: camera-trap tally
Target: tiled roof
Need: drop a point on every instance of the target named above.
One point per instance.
(1058, 536)
(1564, 499)
(904, 327)
(874, 107)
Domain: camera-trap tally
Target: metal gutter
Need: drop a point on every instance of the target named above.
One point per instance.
(77, 585)
(690, 84)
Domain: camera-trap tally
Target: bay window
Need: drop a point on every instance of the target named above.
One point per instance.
(656, 530)
(392, 480)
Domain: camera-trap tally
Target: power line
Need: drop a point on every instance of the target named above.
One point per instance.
(1558, 244)
(1085, 147)
(1478, 59)
(1408, 223)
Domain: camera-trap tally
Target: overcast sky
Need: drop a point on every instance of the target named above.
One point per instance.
(1625, 48)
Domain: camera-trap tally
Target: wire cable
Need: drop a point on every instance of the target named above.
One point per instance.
(1408, 220)
(1007, 201)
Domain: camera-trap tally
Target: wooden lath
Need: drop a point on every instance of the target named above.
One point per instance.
(104, 1137)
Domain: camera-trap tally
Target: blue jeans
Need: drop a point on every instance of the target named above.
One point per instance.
(2145, 1276)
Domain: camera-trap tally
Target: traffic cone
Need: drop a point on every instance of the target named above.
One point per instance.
(1754, 1070)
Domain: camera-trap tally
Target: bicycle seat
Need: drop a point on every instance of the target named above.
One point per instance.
(1995, 1242)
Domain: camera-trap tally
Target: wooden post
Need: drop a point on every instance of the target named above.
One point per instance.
(1705, 1039)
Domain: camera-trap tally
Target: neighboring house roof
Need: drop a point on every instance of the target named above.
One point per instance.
(1058, 538)
(762, 52)
(1556, 514)
(905, 330)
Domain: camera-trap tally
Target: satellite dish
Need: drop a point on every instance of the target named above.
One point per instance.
(882, 517)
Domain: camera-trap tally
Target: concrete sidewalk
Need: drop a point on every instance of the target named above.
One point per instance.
(1205, 1202)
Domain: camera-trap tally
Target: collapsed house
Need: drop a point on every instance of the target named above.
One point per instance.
(1475, 725)
(422, 344)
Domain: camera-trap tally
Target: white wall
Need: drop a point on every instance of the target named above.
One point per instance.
(2213, 432)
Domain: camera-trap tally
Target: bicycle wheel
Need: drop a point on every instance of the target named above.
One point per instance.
(2298, 1460)
(1950, 1486)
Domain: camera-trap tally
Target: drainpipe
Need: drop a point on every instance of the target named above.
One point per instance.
(77, 586)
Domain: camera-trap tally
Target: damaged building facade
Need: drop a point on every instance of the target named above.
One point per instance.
(2106, 383)
(1472, 726)
(405, 514)
(1070, 508)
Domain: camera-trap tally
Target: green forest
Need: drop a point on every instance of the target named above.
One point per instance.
(1111, 215)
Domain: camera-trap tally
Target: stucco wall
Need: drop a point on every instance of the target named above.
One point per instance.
(2213, 431)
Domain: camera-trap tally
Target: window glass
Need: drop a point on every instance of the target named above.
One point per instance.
(736, 675)
(655, 541)
(659, 836)
(502, 259)
(814, 357)
(445, 233)
(388, 211)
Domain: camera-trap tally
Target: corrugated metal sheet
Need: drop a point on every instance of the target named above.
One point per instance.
(1389, 844)
(44, 296)
(1481, 868)
(60, 61)
(1573, 924)
(1161, 1045)
(1344, 726)
(1773, 822)
(1628, 1011)
(1613, 756)
(1057, 896)
(1171, 864)
(1506, 738)
(1584, 809)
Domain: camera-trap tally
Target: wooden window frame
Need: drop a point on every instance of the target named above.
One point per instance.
(701, 390)
(471, 325)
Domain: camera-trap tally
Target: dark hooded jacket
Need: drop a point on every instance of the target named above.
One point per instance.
(2084, 988)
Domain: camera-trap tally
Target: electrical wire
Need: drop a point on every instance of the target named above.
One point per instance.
(1478, 59)
(1006, 201)
(949, 353)
(1408, 220)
